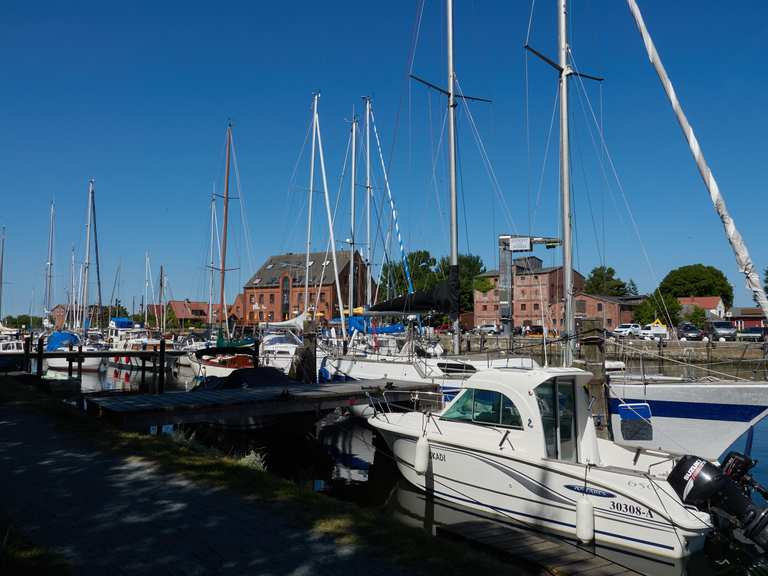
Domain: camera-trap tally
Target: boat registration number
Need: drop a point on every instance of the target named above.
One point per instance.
(633, 509)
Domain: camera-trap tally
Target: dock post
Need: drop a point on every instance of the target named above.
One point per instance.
(80, 362)
(161, 368)
(69, 361)
(27, 351)
(39, 361)
(143, 367)
(256, 352)
(592, 339)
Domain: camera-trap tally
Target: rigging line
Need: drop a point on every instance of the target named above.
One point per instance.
(486, 159)
(620, 186)
(435, 153)
(527, 127)
(407, 80)
(292, 187)
(530, 22)
(243, 215)
(540, 187)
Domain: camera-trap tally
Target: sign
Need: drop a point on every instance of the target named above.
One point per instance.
(520, 244)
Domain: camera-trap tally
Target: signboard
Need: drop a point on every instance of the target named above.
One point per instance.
(520, 244)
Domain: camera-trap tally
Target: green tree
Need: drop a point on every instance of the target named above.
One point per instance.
(665, 307)
(697, 280)
(470, 266)
(602, 281)
(632, 288)
(171, 322)
(483, 284)
(422, 266)
(697, 316)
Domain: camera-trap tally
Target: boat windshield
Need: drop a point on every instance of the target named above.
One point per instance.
(484, 407)
(557, 404)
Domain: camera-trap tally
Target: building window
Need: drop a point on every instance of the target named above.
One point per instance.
(271, 298)
(261, 298)
(286, 296)
(599, 307)
(261, 316)
(581, 306)
(250, 316)
(322, 296)
(536, 306)
(522, 307)
(608, 321)
(485, 307)
(252, 299)
(495, 306)
(271, 316)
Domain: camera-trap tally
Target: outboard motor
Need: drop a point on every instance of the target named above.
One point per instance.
(724, 491)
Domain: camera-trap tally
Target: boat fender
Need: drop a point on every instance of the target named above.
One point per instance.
(585, 520)
(421, 460)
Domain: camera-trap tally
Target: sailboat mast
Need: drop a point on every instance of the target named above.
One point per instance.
(315, 97)
(223, 311)
(453, 275)
(2, 266)
(96, 251)
(161, 320)
(49, 266)
(87, 261)
(569, 328)
(353, 175)
(72, 313)
(146, 288)
(211, 261)
(368, 201)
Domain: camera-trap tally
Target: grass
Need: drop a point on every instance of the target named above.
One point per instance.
(367, 530)
(19, 556)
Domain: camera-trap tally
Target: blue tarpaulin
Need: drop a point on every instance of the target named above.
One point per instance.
(363, 324)
(61, 339)
(122, 322)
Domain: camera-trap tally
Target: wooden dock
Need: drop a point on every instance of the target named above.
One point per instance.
(554, 555)
(242, 407)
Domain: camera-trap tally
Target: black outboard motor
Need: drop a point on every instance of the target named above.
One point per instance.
(724, 491)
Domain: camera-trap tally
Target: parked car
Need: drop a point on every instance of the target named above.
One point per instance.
(445, 328)
(753, 334)
(625, 330)
(487, 329)
(654, 331)
(689, 332)
(716, 329)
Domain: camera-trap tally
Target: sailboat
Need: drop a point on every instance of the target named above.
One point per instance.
(61, 340)
(523, 445)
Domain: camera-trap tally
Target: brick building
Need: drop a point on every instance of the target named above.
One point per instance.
(536, 290)
(612, 311)
(486, 304)
(747, 317)
(276, 291)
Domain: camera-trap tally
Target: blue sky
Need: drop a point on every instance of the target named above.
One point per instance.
(137, 96)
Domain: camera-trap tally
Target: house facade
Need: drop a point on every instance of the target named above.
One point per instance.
(276, 291)
(713, 305)
(611, 311)
(536, 291)
(486, 304)
(747, 317)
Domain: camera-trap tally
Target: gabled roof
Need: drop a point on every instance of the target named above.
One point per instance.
(294, 265)
(704, 302)
(750, 311)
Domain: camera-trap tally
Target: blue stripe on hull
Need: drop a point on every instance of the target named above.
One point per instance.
(695, 410)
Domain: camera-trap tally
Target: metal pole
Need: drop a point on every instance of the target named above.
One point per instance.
(353, 169)
(565, 184)
(223, 310)
(87, 261)
(2, 266)
(368, 193)
(161, 320)
(146, 288)
(315, 97)
(96, 249)
(161, 368)
(453, 276)
(211, 264)
(49, 266)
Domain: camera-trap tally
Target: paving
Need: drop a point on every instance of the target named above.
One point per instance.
(109, 514)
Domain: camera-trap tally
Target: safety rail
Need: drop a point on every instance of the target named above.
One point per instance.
(406, 400)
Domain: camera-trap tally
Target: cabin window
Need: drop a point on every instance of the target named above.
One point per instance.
(557, 404)
(484, 407)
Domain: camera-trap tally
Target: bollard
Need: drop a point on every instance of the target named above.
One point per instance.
(39, 361)
(161, 368)
(69, 361)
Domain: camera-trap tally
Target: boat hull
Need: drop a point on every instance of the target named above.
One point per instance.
(543, 494)
(87, 365)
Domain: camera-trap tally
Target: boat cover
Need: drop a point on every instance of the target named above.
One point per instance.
(122, 322)
(61, 339)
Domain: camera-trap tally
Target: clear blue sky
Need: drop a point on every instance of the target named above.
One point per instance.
(137, 96)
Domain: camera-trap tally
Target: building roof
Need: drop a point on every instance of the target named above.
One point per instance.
(270, 272)
(541, 271)
(704, 302)
(488, 274)
(750, 311)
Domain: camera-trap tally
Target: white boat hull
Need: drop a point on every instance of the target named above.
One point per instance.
(88, 364)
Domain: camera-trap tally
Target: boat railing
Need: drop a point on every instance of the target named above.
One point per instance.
(406, 401)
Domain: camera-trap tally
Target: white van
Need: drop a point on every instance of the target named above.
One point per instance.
(654, 331)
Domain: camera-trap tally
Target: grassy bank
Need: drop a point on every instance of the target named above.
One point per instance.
(19, 556)
(367, 531)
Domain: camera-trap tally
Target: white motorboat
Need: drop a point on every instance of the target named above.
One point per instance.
(60, 341)
(522, 445)
(124, 336)
(9, 354)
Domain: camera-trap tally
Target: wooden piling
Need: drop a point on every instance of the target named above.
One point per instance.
(27, 353)
(39, 359)
(80, 361)
(592, 337)
(142, 383)
(161, 368)
(69, 361)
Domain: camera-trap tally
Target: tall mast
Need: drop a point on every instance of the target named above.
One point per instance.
(368, 193)
(352, 220)
(569, 329)
(453, 276)
(96, 250)
(161, 320)
(87, 261)
(146, 288)
(49, 266)
(2, 266)
(211, 262)
(72, 315)
(315, 98)
(223, 311)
